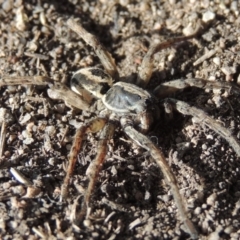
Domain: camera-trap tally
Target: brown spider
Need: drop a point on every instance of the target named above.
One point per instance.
(127, 103)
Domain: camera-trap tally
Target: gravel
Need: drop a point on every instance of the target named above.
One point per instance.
(131, 199)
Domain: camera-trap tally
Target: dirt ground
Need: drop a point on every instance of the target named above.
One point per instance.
(131, 199)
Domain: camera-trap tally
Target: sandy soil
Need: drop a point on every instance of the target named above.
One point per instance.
(131, 199)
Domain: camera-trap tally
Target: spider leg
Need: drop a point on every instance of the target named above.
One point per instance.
(201, 117)
(104, 56)
(146, 67)
(27, 80)
(158, 156)
(168, 88)
(94, 125)
(96, 166)
(57, 90)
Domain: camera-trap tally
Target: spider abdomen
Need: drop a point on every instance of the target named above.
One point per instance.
(126, 98)
(93, 80)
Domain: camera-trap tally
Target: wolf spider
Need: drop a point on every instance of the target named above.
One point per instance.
(135, 108)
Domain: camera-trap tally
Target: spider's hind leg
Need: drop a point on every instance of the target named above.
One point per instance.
(104, 56)
(57, 90)
(26, 80)
(202, 118)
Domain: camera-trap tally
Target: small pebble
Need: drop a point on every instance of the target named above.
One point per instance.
(228, 230)
(229, 72)
(208, 16)
(211, 199)
(197, 211)
(7, 5)
(188, 30)
(217, 61)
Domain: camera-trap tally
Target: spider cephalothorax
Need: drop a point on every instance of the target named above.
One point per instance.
(134, 107)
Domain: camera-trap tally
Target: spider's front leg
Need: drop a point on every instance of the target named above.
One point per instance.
(96, 166)
(158, 156)
(202, 118)
(93, 126)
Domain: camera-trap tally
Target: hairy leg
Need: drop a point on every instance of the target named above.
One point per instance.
(94, 125)
(60, 91)
(168, 88)
(57, 90)
(26, 80)
(146, 67)
(158, 156)
(104, 56)
(96, 166)
(202, 118)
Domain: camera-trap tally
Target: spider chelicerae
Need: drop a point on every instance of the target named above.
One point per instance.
(128, 104)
